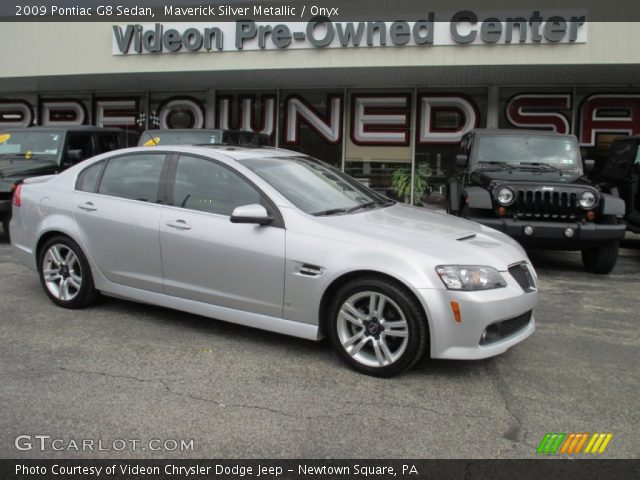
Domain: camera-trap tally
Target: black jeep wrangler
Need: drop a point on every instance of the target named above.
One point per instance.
(621, 177)
(530, 185)
(35, 151)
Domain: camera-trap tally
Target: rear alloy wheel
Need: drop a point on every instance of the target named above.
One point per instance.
(603, 258)
(377, 327)
(65, 273)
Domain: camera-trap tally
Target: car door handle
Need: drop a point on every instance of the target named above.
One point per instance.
(88, 206)
(179, 224)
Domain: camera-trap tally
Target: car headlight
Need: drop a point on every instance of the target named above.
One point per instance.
(505, 196)
(587, 200)
(470, 277)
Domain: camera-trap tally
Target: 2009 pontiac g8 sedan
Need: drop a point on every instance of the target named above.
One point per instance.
(276, 240)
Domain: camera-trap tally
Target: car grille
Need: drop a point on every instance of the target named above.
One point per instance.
(533, 203)
(523, 276)
(506, 328)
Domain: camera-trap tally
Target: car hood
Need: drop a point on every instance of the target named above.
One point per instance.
(447, 239)
(24, 168)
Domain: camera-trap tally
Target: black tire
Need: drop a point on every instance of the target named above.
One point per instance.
(406, 354)
(5, 227)
(464, 211)
(79, 297)
(602, 258)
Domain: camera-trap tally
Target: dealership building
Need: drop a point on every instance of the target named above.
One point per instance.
(370, 97)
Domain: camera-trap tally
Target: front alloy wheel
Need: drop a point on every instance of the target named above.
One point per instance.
(378, 328)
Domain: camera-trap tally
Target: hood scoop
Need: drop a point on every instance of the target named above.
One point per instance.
(465, 236)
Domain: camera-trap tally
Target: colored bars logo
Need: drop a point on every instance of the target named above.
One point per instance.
(573, 443)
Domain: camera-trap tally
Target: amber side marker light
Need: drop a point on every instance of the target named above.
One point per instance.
(591, 215)
(456, 312)
(502, 211)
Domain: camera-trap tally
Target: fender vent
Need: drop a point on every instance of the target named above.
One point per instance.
(308, 270)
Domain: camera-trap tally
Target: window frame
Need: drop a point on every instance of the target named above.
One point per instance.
(162, 181)
(169, 190)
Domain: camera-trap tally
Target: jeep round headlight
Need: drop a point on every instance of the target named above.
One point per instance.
(505, 196)
(587, 200)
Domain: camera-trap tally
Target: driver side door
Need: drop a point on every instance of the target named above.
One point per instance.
(209, 259)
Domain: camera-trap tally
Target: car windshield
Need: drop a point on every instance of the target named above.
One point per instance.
(191, 137)
(30, 144)
(532, 150)
(313, 186)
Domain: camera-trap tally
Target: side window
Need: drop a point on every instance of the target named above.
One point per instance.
(209, 187)
(81, 143)
(135, 176)
(88, 179)
(106, 142)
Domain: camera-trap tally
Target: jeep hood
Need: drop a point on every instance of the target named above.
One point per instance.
(25, 168)
(485, 177)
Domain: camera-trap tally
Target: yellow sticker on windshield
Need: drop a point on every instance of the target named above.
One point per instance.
(4, 137)
(28, 155)
(152, 142)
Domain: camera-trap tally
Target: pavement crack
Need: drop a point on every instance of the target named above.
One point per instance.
(516, 430)
(164, 384)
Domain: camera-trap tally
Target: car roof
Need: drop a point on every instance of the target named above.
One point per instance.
(517, 131)
(233, 151)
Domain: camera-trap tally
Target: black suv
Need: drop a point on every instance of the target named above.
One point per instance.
(621, 177)
(34, 151)
(530, 185)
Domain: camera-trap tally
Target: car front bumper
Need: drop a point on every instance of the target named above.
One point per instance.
(581, 232)
(478, 311)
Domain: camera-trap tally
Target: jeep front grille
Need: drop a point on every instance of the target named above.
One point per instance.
(556, 205)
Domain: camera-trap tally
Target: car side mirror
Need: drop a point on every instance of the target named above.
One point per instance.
(461, 160)
(251, 214)
(589, 165)
(75, 156)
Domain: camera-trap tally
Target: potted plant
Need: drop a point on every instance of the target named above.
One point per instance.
(401, 183)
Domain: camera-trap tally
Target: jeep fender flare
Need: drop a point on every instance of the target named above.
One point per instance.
(478, 197)
(612, 205)
(453, 196)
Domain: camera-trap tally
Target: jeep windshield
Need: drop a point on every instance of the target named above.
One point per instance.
(30, 145)
(315, 187)
(544, 152)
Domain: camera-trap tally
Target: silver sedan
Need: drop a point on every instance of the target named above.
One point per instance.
(280, 241)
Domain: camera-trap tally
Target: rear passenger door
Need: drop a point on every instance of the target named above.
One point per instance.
(116, 205)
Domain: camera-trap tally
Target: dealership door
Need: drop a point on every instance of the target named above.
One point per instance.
(209, 259)
(119, 218)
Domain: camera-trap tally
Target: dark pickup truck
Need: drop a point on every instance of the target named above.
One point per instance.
(35, 151)
(530, 185)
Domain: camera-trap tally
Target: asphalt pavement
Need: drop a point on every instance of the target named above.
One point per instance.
(126, 371)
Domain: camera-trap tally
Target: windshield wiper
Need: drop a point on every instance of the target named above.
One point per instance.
(331, 211)
(500, 165)
(369, 205)
(542, 165)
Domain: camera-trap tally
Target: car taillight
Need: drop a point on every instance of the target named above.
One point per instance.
(17, 189)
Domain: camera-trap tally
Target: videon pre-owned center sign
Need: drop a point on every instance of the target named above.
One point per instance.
(463, 28)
